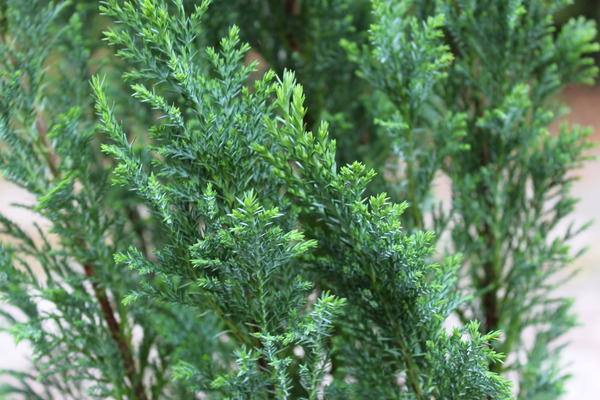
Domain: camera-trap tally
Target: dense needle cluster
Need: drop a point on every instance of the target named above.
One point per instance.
(219, 227)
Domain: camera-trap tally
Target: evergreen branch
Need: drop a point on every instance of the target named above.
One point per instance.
(252, 218)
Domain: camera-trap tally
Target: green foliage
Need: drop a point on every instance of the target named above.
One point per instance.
(486, 128)
(404, 60)
(203, 236)
(515, 176)
(398, 300)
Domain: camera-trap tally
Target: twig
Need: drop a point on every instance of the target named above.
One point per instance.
(115, 332)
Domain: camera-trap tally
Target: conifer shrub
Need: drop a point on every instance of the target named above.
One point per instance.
(217, 227)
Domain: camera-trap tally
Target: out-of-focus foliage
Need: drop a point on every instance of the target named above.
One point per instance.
(237, 196)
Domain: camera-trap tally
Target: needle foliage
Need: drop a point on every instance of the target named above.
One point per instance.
(234, 198)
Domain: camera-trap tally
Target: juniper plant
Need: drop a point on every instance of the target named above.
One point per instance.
(482, 121)
(221, 245)
(512, 186)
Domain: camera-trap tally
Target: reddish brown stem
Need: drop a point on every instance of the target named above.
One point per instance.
(100, 294)
(115, 333)
(491, 307)
(292, 9)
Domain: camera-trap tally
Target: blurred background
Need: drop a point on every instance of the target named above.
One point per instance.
(582, 355)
